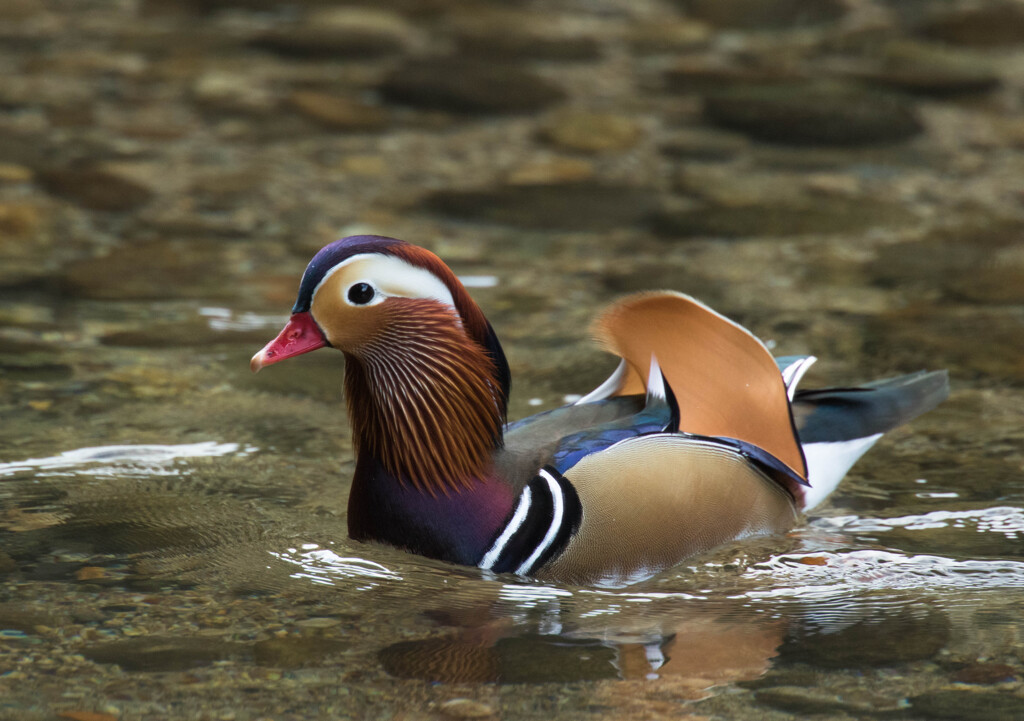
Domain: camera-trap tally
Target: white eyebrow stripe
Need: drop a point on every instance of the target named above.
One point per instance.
(393, 277)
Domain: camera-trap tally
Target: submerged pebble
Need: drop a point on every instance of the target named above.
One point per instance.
(158, 653)
(561, 206)
(986, 673)
(339, 34)
(887, 641)
(465, 708)
(811, 216)
(296, 651)
(814, 114)
(460, 85)
(96, 187)
(969, 705)
(592, 132)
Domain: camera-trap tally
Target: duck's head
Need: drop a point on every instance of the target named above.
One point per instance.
(411, 333)
(356, 290)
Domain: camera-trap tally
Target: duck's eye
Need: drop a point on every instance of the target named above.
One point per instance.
(360, 293)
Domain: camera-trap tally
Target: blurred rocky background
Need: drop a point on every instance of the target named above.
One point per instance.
(153, 148)
(844, 176)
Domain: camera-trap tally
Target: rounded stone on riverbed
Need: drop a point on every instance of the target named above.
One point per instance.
(913, 336)
(979, 25)
(873, 642)
(668, 36)
(812, 216)
(296, 651)
(551, 170)
(968, 705)
(338, 112)
(712, 73)
(147, 271)
(814, 114)
(986, 673)
(516, 35)
(464, 708)
(458, 85)
(18, 220)
(95, 187)
(975, 262)
(561, 206)
(232, 92)
(589, 132)
(761, 14)
(929, 69)
(800, 700)
(18, 619)
(164, 653)
(344, 34)
(704, 144)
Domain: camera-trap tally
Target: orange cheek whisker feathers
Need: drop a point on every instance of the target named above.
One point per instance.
(424, 400)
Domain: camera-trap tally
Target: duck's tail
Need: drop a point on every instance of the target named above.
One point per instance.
(836, 426)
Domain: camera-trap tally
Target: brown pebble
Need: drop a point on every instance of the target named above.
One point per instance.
(87, 716)
(90, 573)
(19, 220)
(985, 673)
(337, 112)
(551, 170)
(96, 188)
(12, 173)
(587, 132)
(813, 561)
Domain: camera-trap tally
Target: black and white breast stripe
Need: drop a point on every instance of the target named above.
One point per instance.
(546, 517)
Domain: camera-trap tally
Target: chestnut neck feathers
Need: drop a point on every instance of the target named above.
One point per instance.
(425, 399)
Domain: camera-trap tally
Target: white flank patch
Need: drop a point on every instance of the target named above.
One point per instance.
(827, 463)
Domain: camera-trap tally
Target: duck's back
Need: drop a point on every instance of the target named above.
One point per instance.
(534, 442)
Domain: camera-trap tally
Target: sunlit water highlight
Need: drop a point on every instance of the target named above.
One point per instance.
(138, 460)
(826, 576)
(1006, 520)
(324, 567)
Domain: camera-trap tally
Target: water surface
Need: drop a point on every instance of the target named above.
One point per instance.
(172, 528)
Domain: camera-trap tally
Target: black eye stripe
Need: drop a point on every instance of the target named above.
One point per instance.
(360, 293)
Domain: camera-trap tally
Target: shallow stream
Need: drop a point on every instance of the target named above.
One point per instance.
(844, 178)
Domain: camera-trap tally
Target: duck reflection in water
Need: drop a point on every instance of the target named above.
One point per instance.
(688, 645)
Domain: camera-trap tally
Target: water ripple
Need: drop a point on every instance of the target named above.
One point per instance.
(324, 567)
(1007, 520)
(116, 460)
(835, 576)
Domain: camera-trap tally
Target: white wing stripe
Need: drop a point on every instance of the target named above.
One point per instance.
(558, 505)
(793, 373)
(510, 530)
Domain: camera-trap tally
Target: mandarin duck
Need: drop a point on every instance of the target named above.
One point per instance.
(698, 438)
